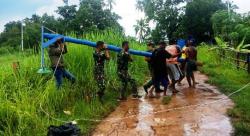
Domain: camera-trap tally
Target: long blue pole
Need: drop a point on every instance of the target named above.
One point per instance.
(93, 44)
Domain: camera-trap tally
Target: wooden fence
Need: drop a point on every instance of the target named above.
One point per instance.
(239, 60)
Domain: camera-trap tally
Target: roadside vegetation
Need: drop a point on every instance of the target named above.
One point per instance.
(24, 92)
(222, 74)
(25, 95)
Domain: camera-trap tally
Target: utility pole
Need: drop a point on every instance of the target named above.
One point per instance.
(22, 35)
(228, 9)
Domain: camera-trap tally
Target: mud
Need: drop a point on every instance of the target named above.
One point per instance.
(209, 120)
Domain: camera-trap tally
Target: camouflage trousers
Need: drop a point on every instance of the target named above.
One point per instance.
(100, 80)
(125, 79)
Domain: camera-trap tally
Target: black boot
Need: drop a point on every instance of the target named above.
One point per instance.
(100, 96)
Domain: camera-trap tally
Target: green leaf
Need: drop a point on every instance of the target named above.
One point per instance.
(239, 47)
(245, 50)
(221, 43)
(214, 48)
(246, 46)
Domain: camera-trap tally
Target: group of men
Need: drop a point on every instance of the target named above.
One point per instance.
(164, 63)
(169, 65)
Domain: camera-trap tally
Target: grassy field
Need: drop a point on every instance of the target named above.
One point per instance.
(229, 80)
(22, 94)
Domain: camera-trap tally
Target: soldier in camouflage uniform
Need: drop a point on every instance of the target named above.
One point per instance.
(100, 55)
(123, 60)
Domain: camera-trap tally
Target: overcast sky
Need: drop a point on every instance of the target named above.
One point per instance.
(12, 10)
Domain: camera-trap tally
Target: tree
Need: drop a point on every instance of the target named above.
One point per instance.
(11, 36)
(67, 12)
(91, 16)
(52, 23)
(166, 13)
(68, 15)
(110, 4)
(142, 29)
(197, 18)
(66, 2)
(34, 19)
(223, 25)
(32, 36)
(233, 28)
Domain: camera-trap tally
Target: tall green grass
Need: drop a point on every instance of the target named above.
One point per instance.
(21, 95)
(228, 79)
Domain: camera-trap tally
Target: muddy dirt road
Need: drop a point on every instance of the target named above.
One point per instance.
(210, 120)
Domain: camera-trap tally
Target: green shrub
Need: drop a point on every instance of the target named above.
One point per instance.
(228, 79)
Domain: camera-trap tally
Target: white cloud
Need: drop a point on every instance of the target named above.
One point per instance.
(243, 5)
(3, 22)
(127, 10)
(50, 9)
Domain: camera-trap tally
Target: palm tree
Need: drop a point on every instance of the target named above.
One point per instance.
(110, 4)
(66, 2)
(142, 29)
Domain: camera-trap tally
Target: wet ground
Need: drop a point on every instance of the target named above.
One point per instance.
(149, 117)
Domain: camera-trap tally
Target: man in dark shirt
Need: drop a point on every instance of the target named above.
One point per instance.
(123, 60)
(159, 66)
(56, 52)
(100, 55)
(150, 47)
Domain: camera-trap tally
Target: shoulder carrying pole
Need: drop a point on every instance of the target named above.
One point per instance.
(53, 37)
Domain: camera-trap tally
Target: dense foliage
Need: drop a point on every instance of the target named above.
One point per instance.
(90, 16)
(232, 27)
(165, 13)
(228, 79)
(197, 18)
(181, 18)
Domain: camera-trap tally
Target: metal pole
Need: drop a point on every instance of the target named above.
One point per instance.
(22, 36)
(248, 63)
(42, 49)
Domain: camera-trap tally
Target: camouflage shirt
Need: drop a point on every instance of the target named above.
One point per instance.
(123, 59)
(99, 59)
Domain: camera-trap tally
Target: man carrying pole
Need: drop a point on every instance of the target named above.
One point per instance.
(123, 60)
(160, 75)
(149, 84)
(100, 55)
(56, 52)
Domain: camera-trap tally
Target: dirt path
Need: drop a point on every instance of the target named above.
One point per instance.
(196, 121)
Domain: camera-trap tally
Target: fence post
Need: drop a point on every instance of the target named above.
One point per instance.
(237, 60)
(248, 63)
(222, 54)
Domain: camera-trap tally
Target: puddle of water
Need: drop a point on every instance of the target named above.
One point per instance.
(144, 125)
(210, 120)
